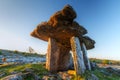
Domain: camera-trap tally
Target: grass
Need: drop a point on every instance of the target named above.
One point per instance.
(102, 76)
(0, 52)
(41, 71)
(98, 73)
(37, 68)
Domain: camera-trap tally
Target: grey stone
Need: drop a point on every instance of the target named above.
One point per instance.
(13, 77)
(77, 56)
(1, 75)
(86, 60)
(113, 70)
(28, 70)
(65, 76)
(93, 65)
(14, 72)
(57, 55)
(51, 77)
(105, 72)
(92, 77)
(71, 64)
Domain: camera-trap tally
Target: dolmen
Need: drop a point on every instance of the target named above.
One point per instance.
(63, 35)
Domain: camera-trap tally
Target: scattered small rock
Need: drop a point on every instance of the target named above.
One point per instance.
(113, 70)
(14, 72)
(13, 77)
(93, 65)
(65, 75)
(92, 77)
(51, 77)
(1, 75)
(28, 70)
(105, 72)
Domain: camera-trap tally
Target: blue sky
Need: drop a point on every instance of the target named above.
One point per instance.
(100, 17)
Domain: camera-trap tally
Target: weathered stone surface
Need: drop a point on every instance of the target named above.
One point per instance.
(113, 70)
(93, 65)
(62, 34)
(92, 77)
(51, 77)
(106, 73)
(2, 74)
(59, 76)
(77, 56)
(63, 59)
(65, 76)
(63, 17)
(60, 28)
(89, 43)
(71, 64)
(86, 60)
(14, 72)
(57, 56)
(52, 55)
(13, 77)
(22, 76)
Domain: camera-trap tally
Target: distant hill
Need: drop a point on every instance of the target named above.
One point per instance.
(18, 53)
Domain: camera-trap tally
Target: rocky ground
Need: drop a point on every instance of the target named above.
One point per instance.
(21, 67)
(38, 72)
(108, 65)
(13, 57)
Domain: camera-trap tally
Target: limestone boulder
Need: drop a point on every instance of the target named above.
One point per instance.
(63, 17)
(61, 34)
(13, 77)
(89, 43)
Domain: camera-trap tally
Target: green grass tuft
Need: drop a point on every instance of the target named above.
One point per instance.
(0, 52)
(41, 71)
(37, 68)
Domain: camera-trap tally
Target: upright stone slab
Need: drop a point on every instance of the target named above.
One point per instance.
(57, 56)
(64, 58)
(86, 60)
(77, 56)
(52, 55)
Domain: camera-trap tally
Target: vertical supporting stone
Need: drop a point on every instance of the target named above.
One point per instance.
(64, 58)
(86, 60)
(57, 58)
(52, 55)
(77, 56)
